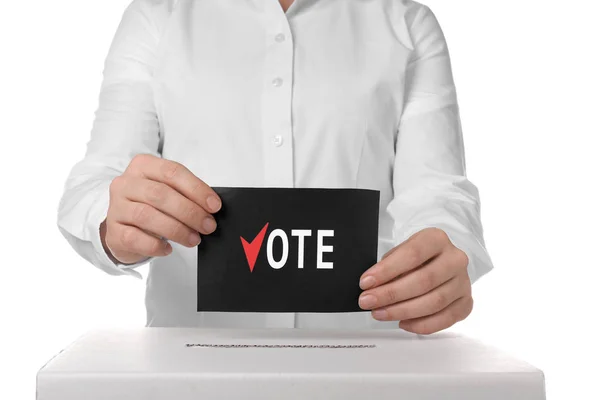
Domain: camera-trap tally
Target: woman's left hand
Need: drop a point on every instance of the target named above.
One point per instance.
(423, 283)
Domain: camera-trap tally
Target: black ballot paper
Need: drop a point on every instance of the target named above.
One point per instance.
(288, 250)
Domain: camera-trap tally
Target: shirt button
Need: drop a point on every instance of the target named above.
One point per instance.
(278, 140)
(277, 82)
(280, 38)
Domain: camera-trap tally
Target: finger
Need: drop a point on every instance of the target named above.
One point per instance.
(170, 202)
(455, 312)
(178, 177)
(428, 304)
(386, 255)
(129, 239)
(416, 283)
(152, 221)
(411, 254)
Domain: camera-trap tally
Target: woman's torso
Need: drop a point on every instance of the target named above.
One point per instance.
(247, 95)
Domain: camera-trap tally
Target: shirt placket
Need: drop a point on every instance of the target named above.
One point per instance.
(277, 118)
(277, 103)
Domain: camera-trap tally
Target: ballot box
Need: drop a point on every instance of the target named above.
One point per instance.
(273, 364)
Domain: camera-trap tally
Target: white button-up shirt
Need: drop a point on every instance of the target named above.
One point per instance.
(330, 94)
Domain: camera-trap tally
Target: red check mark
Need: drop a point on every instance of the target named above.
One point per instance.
(252, 249)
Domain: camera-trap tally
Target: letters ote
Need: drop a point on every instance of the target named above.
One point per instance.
(253, 248)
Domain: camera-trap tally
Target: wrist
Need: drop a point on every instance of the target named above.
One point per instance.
(107, 249)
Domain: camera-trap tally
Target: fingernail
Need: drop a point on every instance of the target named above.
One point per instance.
(367, 282)
(209, 224)
(194, 239)
(380, 314)
(367, 301)
(168, 249)
(213, 203)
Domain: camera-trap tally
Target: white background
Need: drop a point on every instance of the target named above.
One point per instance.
(528, 79)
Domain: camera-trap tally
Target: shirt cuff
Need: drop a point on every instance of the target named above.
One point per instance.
(480, 262)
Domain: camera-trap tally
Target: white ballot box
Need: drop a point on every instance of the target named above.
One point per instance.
(292, 364)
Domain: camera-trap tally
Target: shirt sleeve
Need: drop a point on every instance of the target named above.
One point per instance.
(125, 124)
(431, 188)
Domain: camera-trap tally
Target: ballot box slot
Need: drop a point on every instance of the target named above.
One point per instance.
(281, 346)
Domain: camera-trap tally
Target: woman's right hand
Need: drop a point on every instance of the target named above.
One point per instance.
(153, 202)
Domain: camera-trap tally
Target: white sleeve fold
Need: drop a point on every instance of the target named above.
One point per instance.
(125, 125)
(431, 188)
